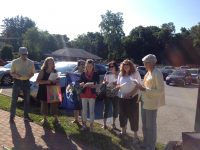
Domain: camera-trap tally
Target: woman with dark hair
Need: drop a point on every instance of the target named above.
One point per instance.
(47, 68)
(110, 79)
(128, 96)
(88, 81)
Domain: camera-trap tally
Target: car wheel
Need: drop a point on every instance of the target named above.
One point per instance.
(6, 80)
(167, 83)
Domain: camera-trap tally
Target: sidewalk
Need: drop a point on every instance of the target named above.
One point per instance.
(30, 136)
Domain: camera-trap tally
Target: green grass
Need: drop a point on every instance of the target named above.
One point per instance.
(100, 138)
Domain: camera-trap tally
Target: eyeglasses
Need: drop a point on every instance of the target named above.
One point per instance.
(126, 64)
(111, 66)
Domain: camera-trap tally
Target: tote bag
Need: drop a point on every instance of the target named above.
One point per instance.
(54, 94)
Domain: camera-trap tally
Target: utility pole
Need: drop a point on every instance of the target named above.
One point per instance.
(197, 117)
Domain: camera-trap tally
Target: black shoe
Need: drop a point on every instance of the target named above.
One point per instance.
(28, 119)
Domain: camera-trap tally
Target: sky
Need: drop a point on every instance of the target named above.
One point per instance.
(76, 17)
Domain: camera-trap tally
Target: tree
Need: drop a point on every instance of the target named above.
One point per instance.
(91, 42)
(112, 30)
(14, 28)
(6, 52)
(142, 41)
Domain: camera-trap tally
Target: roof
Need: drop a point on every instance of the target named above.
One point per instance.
(75, 53)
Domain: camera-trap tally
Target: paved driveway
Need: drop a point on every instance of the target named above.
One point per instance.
(175, 117)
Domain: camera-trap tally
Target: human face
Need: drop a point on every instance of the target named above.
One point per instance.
(148, 66)
(112, 68)
(126, 66)
(89, 67)
(23, 56)
(50, 64)
(81, 66)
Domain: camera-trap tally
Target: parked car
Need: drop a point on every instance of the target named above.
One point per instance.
(6, 78)
(167, 70)
(179, 77)
(63, 67)
(195, 72)
(142, 70)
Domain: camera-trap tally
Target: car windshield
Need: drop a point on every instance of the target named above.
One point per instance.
(178, 73)
(8, 65)
(64, 67)
(193, 71)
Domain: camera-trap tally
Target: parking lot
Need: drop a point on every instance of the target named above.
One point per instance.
(176, 117)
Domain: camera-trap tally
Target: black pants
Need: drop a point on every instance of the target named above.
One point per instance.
(115, 106)
(129, 109)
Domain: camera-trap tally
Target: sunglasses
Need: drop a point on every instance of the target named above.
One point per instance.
(126, 64)
(111, 66)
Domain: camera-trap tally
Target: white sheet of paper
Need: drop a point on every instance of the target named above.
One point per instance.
(53, 76)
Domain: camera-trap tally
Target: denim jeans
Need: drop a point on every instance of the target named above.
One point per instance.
(18, 85)
(85, 102)
(115, 106)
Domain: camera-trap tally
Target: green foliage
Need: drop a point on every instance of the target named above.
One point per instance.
(112, 30)
(14, 28)
(91, 42)
(195, 33)
(40, 42)
(6, 52)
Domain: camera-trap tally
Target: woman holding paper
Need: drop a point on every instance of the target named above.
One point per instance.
(110, 79)
(128, 96)
(88, 80)
(47, 76)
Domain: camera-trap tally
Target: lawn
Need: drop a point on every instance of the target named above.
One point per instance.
(100, 138)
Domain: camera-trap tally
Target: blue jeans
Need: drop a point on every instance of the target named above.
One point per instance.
(18, 85)
(149, 127)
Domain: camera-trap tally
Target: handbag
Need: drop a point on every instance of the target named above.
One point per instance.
(54, 94)
(102, 92)
(111, 92)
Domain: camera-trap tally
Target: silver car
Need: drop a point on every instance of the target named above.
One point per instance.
(6, 78)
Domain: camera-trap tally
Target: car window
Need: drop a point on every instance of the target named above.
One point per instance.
(65, 67)
(8, 65)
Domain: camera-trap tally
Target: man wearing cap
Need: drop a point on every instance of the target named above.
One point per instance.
(153, 96)
(22, 70)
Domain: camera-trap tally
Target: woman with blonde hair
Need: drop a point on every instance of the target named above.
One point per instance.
(88, 81)
(128, 96)
(47, 68)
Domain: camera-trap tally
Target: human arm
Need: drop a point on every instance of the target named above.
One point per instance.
(39, 78)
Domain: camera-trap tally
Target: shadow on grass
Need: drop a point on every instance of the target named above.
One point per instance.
(97, 140)
(127, 141)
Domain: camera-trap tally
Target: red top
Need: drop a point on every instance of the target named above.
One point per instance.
(88, 94)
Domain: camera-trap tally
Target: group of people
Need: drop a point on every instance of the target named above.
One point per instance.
(124, 91)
